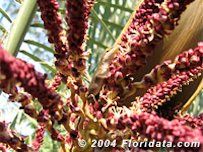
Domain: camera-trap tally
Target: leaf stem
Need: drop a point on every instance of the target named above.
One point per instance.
(20, 26)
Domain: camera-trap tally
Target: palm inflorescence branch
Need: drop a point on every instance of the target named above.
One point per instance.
(115, 101)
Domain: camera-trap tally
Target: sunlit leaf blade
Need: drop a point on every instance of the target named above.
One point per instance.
(19, 1)
(103, 24)
(3, 29)
(116, 6)
(40, 25)
(98, 43)
(35, 58)
(15, 120)
(40, 45)
(5, 15)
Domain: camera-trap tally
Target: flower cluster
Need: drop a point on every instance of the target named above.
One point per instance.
(14, 71)
(26, 102)
(51, 18)
(77, 19)
(56, 81)
(151, 22)
(188, 66)
(10, 138)
(194, 122)
(39, 137)
(16, 94)
(77, 13)
(183, 62)
(107, 117)
(70, 54)
(154, 127)
(151, 126)
(188, 60)
(56, 35)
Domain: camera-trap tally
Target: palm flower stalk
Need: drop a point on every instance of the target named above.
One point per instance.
(70, 62)
(56, 34)
(109, 116)
(24, 75)
(70, 57)
(26, 102)
(160, 73)
(16, 94)
(42, 117)
(39, 137)
(51, 18)
(193, 122)
(160, 129)
(56, 81)
(152, 21)
(14, 71)
(77, 13)
(46, 123)
(9, 138)
(127, 123)
(162, 92)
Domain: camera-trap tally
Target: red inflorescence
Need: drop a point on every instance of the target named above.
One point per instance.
(9, 137)
(26, 102)
(160, 129)
(193, 122)
(188, 60)
(56, 81)
(53, 23)
(184, 61)
(156, 128)
(77, 19)
(160, 93)
(39, 137)
(200, 116)
(56, 35)
(105, 118)
(71, 57)
(14, 71)
(152, 21)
